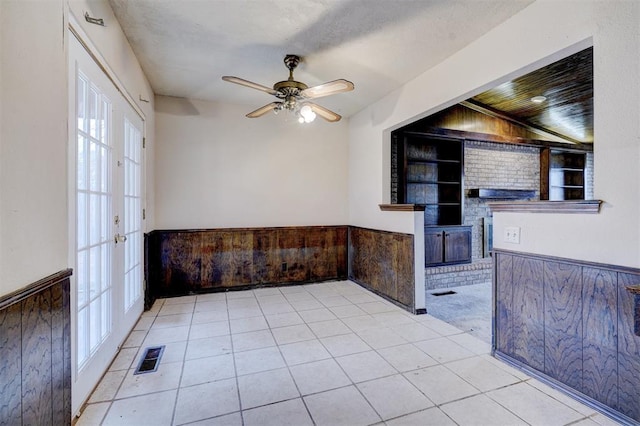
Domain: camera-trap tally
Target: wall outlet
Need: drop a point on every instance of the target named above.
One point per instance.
(512, 234)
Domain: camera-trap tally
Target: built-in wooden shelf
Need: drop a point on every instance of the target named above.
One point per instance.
(402, 207)
(577, 206)
(432, 182)
(499, 193)
(432, 161)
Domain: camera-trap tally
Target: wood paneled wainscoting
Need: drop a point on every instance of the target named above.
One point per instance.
(571, 323)
(193, 261)
(383, 262)
(35, 353)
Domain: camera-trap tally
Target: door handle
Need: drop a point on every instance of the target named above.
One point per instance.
(120, 238)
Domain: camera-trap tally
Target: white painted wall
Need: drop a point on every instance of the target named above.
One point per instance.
(540, 34)
(217, 169)
(33, 142)
(33, 130)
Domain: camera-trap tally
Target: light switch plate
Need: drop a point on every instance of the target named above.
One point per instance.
(512, 235)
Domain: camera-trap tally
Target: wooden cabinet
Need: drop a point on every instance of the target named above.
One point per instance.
(430, 173)
(447, 245)
(433, 246)
(562, 175)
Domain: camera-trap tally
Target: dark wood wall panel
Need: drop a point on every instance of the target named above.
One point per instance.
(61, 351)
(383, 262)
(291, 249)
(36, 361)
(35, 353)
(504, 302)
(182, 262)
(563, 322)
(180, 254)
(589, 343)
(321, 252)
(242, 258)
(217, 251)
(10, 366)
(265, 261)
(403, 260)
(528, 313)
(628, 348)
(600, 344)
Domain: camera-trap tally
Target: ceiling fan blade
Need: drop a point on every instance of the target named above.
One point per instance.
(250, 84)
(327, 114)
(263, 110)
(326, 89)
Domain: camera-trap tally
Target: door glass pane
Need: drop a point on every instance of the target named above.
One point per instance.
(93, 114)
(82, 160)
(82, 276)
(81, 97)
(94, 219)
(95, 325)
(81, 217)
(95, 280)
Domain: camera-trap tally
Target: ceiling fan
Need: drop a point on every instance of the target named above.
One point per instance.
(293, 95)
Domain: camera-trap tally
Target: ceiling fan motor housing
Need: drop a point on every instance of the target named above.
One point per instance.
(291, 61)
(289, 85)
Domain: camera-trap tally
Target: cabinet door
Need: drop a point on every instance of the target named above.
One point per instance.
(433, 247)
(457, 245)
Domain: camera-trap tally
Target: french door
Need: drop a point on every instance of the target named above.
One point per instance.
(106, 194)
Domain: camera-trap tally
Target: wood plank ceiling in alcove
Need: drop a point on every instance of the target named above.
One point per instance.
(568, 87)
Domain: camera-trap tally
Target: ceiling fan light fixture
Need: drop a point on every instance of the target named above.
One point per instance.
(307, 114)
(538, 99)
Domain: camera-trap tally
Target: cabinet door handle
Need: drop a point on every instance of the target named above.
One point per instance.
(446, 234)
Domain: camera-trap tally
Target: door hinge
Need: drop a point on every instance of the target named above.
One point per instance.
(144, 142)
(144, 214)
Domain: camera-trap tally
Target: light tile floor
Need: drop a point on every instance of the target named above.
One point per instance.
(324, 354)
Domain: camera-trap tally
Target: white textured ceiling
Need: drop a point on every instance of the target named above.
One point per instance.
(186, 46)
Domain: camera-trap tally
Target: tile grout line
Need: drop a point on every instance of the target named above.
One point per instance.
(235, 367)
(184, 360)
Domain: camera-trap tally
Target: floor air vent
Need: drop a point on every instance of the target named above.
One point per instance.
(150, 360)
(444, 293)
